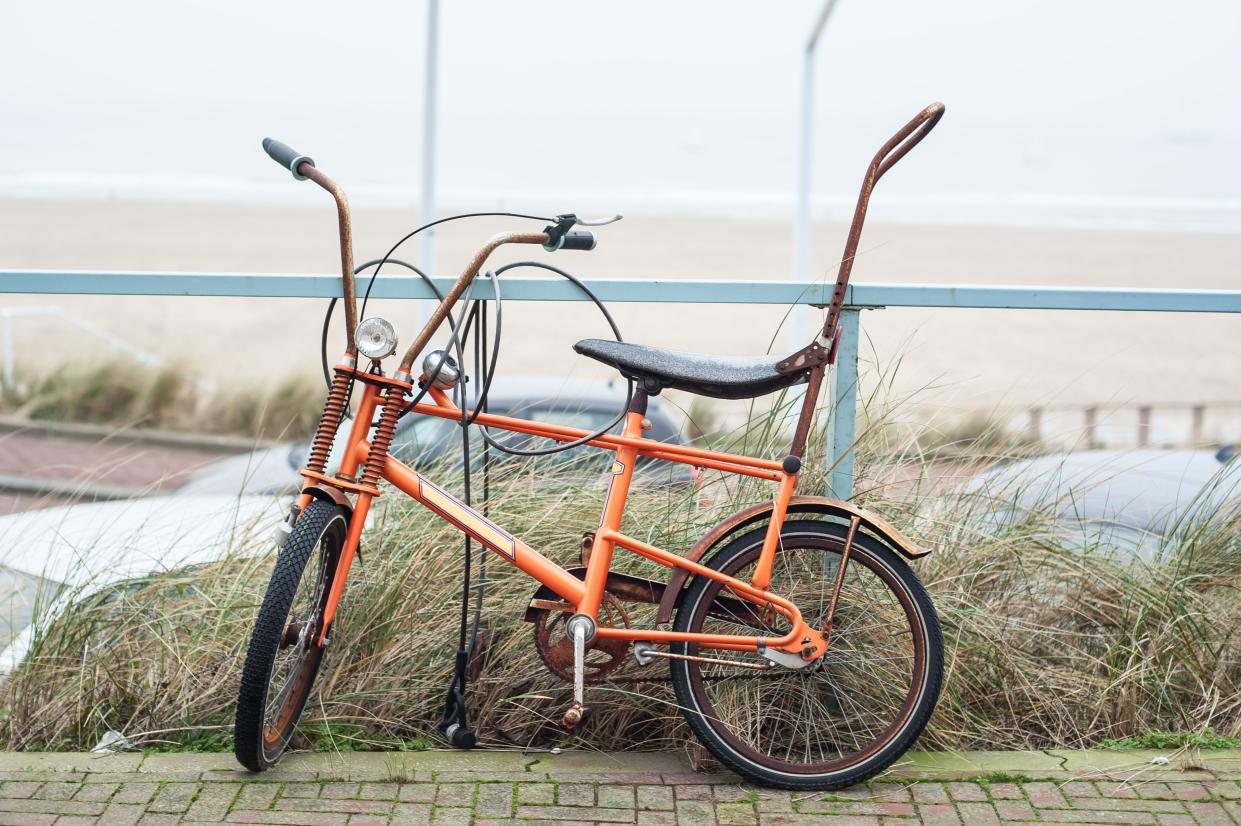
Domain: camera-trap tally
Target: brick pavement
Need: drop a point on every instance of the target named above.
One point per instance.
(580, 787)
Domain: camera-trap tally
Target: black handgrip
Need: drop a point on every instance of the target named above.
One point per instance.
(286, 156)
(578, 240)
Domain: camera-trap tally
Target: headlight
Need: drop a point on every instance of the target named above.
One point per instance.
(375, 338)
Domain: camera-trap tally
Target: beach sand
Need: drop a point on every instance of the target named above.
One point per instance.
(954, 360)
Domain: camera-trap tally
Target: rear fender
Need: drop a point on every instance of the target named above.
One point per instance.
(868, 523)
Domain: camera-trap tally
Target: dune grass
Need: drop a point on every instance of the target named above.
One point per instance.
(122, 392)
(1048, 644)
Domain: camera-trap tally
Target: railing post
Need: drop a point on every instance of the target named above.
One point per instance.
(8, 347)
(842, 423)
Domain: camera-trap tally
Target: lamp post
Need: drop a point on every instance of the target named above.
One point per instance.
(801, 234)
(426, 257)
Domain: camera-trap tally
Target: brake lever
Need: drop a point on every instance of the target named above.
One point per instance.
(599, 222)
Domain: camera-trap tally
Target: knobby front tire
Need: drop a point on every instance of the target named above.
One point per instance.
(846, 717)
(284, 655)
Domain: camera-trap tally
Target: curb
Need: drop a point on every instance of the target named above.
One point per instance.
(647, 767)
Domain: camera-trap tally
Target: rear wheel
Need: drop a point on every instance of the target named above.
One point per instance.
(843, 718)
(284, 654)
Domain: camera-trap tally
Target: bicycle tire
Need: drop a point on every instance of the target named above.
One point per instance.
(725, 741)
(258, 743)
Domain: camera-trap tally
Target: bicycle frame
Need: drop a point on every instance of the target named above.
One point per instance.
(585, 595)
(366, 459)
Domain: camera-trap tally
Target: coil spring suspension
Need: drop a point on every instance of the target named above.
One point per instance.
(329, 422)
(393, 404)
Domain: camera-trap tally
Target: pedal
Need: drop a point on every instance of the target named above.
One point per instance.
(575, 718)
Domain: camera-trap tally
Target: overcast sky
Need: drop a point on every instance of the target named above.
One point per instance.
(1052, 106)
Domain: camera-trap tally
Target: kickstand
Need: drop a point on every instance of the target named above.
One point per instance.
(454, 724)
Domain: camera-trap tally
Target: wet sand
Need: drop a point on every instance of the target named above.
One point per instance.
(957, 360)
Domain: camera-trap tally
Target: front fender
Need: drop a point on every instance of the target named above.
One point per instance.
(868, 522)
(330, 494)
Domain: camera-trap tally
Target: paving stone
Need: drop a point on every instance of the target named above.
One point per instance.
(1175, 820)
(1045, 795)
(255, 796)
(536, 794)
(291, 818)
(735, 814)
(452, 816)
(1006, 791)
(856, 807)
(321, 805)
(693, 791)
(97, 792)
(495, 800)
(10, 819)
(1079, 788)
(1111, 804)
(416, 792)
(659, 798)
(411, 814)
(695, 812)
(339, 791)
(454, 794)
(57, 791)
(368, 820)
(121, 814)
(1014, 810)
(300, 790)
(173, 798)
(135, 792)
(575, 794)
(1209, 814)
(929, 793)
(378, 791)
(74, 820)
(977, 814)
(617, 797)
(656, 818)
(581, 813)
(158, 819)
(19, 788)
(213, 802)
(938, 814)
(774, 800)
(966, 791)
(64, 807)
(1071, 816)
(732, 793)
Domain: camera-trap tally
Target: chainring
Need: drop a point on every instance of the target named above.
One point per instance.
(555, 647)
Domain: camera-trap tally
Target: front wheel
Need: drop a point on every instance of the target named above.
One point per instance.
(848, 715)
(284, 654)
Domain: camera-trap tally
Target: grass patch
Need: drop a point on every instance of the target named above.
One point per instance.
(126, 394)
(1049, 643)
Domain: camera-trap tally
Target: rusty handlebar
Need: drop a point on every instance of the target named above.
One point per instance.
(303, 168)
(896, 148)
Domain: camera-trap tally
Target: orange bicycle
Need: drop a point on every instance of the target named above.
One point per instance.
(804, 652)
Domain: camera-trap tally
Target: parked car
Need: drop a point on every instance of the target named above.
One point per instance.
(54, 555)
(423, 440)
(1129, 499)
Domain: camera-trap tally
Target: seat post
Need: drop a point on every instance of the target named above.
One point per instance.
(809, 399)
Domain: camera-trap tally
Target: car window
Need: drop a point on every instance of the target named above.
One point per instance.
(20, 596)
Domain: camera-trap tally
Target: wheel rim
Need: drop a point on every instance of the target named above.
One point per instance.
(298, 654)
(838, 712)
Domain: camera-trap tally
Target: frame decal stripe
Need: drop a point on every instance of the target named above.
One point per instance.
(473, 523)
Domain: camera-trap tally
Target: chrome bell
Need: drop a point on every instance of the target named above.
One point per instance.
(441, 369)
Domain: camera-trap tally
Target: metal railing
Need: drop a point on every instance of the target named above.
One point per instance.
(842, 422)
